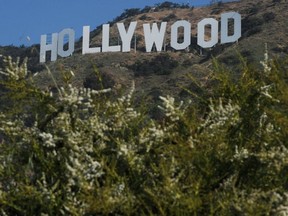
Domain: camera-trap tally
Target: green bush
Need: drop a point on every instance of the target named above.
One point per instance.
(84, 153)
(162, 64)
(269, 16)
(252, 25)
(169, 17)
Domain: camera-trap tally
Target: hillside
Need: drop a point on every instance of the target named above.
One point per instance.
(165, 73)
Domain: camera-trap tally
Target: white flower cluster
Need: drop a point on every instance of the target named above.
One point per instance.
(48, 193)
(281, 203)
(265, 91)
(48, 140)
(240, 155)
(80, 96)
(221, 115)
(170, 109)
(266, 127)
(156, 133)
(82, 173)
(15, 70)
(276, 157)
(10, 128)
(266, 62)
(3, 213)
(122, 111)
(278, 201)
(153, 134)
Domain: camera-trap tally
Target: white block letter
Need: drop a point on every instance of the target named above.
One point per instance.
(71, 35)
(44, 47)
(126, 36)
(174, 35)
(225, 38)
(201, 33)
(86, 42)
(105, 40)
(154, 36)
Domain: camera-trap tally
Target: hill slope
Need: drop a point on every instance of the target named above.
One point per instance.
(166, 72)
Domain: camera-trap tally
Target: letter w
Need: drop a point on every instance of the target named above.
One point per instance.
(154, 36)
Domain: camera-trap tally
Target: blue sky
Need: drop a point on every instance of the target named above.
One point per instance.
(24, 21)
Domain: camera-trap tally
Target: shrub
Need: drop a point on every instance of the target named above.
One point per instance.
(87, 154)
(169, 17)
(269, 16)
(98, 81)
(187, 63)
(162, 64)
(127, 13)
(143, 17)
(170, 5)
(252, 25)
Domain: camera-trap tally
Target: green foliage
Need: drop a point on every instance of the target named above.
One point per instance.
(171, 5)
(127, 13)
(136, 11)
(252, 25)
(170, 17)
(269, 16)
(30, 53)
(162, 64)
(85, 153)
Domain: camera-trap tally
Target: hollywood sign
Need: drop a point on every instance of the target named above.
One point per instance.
(153, 36)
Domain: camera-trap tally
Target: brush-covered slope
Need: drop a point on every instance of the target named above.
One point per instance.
(165, 73)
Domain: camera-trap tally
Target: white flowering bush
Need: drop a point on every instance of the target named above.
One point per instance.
(85, 152)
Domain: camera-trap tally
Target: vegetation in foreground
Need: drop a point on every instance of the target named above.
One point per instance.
(83, 152)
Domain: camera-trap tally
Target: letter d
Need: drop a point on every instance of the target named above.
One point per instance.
(225, 38)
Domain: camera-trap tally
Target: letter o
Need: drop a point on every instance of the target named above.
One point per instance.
(71, 43)
(174, 35)
(201, 33)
